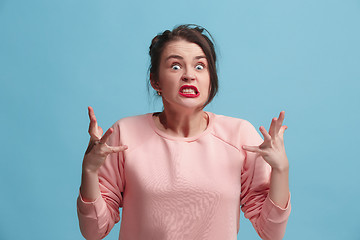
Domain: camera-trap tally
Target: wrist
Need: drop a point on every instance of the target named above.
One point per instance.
(92, 163)
(281, 165)
(281, 168)
(89, 170)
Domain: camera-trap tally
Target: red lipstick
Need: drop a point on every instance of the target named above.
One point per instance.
(189, 91)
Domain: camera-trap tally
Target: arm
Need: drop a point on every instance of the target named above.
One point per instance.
(97, 200)
(273, 152)
(268, 184)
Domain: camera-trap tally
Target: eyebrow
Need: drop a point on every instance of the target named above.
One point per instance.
(180, 57)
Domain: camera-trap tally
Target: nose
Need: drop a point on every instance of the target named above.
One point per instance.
(188, 76)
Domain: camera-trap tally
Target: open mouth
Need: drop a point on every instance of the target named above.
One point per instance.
(189, 91)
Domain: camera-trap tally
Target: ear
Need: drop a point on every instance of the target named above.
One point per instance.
(154, 83)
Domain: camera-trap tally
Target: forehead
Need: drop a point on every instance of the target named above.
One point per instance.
(182, 48)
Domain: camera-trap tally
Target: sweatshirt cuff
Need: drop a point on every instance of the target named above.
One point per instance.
(91, 209)
(275, 213)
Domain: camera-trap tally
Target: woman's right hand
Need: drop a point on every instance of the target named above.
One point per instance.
(98, 150)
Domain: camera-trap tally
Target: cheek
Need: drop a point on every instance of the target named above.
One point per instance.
(168, 81)
(207, 83)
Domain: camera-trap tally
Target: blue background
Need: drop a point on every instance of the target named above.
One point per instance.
(58, 57)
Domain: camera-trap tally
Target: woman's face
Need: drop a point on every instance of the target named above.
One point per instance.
(184, 79)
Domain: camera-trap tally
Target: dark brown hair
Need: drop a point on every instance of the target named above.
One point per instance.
(191, 33)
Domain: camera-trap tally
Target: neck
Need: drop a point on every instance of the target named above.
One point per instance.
(182, 124)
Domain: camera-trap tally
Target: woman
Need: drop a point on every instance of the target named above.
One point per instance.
(184, 173)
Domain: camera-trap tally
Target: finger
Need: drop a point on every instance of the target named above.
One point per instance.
(282, 130)
(106, 135)
(93, 122)
(100, 131)
(272, 127)
(280, 121)
(91, 113)
(117, 149)
(254, 149)
(266, 135)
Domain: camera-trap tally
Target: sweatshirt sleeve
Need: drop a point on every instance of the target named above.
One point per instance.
(268, 219)
(97, 218)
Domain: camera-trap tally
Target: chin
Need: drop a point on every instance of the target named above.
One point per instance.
(184, 104)
(193, 105)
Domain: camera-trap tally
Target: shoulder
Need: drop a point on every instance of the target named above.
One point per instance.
(132, 131)
(133, 120)
(134, 125)
(235, 131)
(226, 123)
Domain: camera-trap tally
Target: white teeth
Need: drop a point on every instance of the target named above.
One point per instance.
(188, 90)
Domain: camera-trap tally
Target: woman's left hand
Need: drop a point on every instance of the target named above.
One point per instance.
(273, 149)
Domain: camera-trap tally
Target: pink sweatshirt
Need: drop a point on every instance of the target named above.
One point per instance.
(183, 188)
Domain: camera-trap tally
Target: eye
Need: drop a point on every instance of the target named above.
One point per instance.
(199, 67)
(175, 67)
